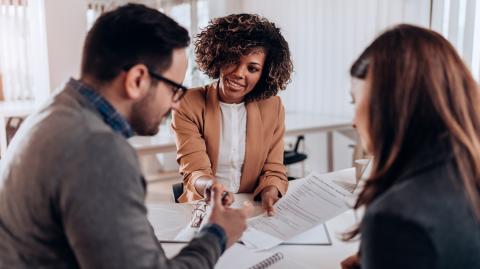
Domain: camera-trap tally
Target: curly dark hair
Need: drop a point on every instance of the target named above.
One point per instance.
(228, 38)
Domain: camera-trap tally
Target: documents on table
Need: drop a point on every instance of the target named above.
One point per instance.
(318, 235)
(178, 223)
(320, 194)
(308, 203)
(200, 215)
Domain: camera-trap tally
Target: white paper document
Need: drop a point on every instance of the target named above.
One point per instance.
(200, 214)
(308, 203)
(317, 235)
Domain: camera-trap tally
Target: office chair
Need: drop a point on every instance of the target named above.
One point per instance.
(177, 190)
(12, 126)
(293, 156)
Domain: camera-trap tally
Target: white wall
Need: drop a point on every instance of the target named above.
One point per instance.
(219, 8)
(325, 36)
(66, 26)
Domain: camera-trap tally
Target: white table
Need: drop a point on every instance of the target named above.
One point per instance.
(169, 218)
(311, 256)
(324, 257)
(296, 123)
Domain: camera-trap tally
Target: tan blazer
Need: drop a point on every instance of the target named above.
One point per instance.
(197, 131)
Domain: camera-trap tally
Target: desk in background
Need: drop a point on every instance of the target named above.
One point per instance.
(296, 123)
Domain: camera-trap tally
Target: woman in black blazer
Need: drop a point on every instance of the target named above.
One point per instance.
(417, 111)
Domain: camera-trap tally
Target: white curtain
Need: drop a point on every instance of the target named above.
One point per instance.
(459, 22)
(14, 53)
(23, 54)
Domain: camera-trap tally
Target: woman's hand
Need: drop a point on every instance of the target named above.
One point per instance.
(352, 262)
(270, 196)
(227, 197)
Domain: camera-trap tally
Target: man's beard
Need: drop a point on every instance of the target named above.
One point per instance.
(143, 120)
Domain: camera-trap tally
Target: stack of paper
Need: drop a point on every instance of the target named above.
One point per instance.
(308, 203)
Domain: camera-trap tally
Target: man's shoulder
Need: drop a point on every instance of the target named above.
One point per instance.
(67, 120)
(66, 127)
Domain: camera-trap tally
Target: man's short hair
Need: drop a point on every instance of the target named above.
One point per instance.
(129, 35)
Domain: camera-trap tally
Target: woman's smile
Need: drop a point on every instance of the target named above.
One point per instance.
(234, 86)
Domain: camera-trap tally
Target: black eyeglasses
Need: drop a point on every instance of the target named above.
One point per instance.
(179, 90)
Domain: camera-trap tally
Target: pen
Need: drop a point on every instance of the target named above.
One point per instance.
(224, 196)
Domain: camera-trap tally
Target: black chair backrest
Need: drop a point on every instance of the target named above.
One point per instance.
(12, 126)
(177, 190)
(299, 139)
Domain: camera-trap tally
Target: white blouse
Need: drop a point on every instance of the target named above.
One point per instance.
(232, 145)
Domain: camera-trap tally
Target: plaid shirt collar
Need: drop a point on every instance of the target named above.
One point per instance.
(108, 113)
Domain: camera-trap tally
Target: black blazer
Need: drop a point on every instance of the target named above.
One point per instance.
(423, 221)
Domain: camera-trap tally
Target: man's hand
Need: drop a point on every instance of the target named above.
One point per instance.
(270, 196)
(233, 221)
(352, 262)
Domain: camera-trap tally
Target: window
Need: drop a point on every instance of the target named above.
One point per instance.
(459, 22)
(23, 54)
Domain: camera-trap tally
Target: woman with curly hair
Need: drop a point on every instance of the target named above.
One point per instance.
(231, 131)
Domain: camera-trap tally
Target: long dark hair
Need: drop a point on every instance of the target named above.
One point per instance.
(419, 91)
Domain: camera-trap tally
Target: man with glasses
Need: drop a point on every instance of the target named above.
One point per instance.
(72, 192)
(178, 89)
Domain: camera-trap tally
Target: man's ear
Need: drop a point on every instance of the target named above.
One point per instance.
(137, 82)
